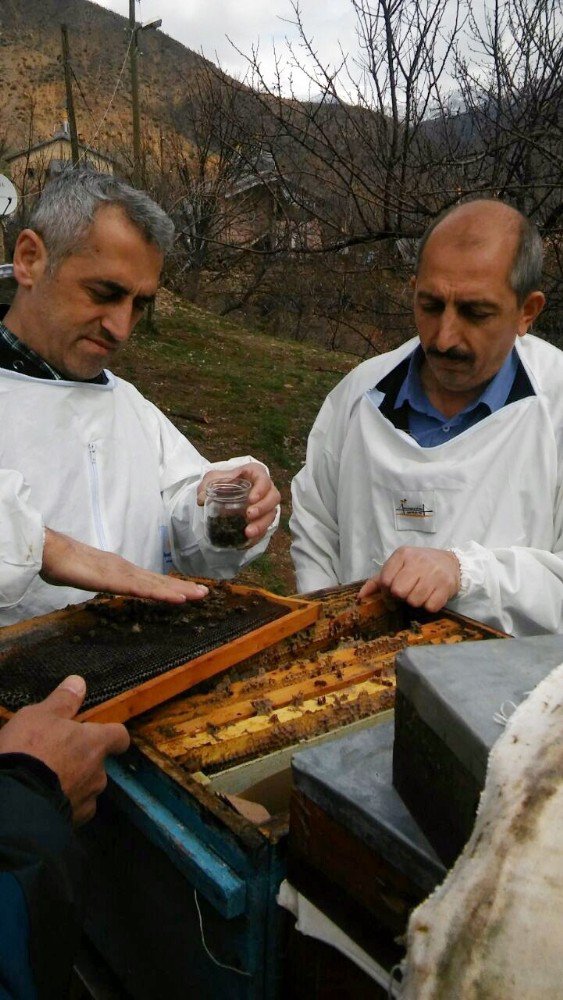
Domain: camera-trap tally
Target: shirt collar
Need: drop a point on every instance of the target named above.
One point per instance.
(40, 367)
(493, 397)
(17, 347)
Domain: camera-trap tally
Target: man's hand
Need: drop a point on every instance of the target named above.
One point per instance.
(66, 561)
(262, 501)
(74, 751)
(426, 578)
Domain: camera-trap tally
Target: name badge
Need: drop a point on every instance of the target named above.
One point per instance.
(167, 564)
(415, 511)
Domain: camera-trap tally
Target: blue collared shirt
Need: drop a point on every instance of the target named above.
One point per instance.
(428, 426)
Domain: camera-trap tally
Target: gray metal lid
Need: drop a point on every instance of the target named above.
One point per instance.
(456, 690)
(351, 780)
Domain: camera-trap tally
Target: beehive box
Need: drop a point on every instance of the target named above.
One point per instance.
(334, 676)
(189, 847)
(449, 711)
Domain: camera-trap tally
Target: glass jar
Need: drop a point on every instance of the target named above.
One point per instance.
(225, 514)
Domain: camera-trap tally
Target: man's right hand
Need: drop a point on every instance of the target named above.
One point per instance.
(422, 577)
(66, 561)
(75, 751)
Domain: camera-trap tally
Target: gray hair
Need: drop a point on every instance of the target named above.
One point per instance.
(63, 214)
(527, 265)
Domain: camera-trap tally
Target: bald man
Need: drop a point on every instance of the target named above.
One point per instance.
(436, 470)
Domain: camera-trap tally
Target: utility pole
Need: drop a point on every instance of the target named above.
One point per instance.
(134, 62)
(134, 56)
(69, 99)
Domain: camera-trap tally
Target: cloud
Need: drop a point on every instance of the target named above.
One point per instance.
(207, 25)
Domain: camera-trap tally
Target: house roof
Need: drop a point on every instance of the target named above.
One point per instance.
(59, 137)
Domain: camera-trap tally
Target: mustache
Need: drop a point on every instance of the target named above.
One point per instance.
(106, 338)
(452, 354)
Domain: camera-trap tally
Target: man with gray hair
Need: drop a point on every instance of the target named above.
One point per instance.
(101, 462)
(436, 470)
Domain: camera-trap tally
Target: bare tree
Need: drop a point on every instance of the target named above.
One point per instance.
(512, 88)
(438, 105)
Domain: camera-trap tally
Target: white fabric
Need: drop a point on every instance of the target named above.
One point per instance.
(106, 466)
(21, 539)
(494, 492)
(492, 930)
(312, 922)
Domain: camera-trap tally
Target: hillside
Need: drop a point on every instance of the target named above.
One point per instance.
(31, 73)
(233, 391)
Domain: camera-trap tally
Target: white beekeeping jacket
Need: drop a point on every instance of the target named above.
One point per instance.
(22, 535)
(494, 493)
(106, 466)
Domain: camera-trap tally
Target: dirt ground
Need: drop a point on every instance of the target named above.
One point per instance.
(235, 392)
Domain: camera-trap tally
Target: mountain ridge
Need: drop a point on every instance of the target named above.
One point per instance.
(32, 78)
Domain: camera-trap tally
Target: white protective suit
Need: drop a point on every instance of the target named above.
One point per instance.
(494, 493)
(106, 466)
(22, 536)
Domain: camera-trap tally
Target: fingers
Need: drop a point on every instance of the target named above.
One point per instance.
(155, 587)
(217, 476)
(404, 577)
(75, 751)
(263, 491)
(422, 577)
(83, 812)
(103, 739)
(263, 502)
(177, 591)
(88, 779)
(262, 485)
(262, 514)
(67, 561)
(370, 587)
(66, 700)
(113, 736)
(83, 801)
(266, 504)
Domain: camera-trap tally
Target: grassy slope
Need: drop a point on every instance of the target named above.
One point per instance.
(236, 392)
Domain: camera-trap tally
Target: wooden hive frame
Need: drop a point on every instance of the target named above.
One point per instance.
(305, 686)
(138, 699)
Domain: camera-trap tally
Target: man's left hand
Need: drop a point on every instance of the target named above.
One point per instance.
(262, 501)
(424, 578)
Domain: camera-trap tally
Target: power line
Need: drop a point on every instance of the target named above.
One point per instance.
(77, 81)
(115, 89)
(30, 194)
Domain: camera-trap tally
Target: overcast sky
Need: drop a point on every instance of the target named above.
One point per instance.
(206, 25)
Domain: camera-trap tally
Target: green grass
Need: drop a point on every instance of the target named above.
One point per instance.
(272, 437)
(234, 391)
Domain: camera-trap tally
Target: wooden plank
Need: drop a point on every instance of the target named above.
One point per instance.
(277, 688)
(158, 689)
(242, 779)
(261, 734)
(300, 615)
(341, 858)
(281, 697)
(263, 684)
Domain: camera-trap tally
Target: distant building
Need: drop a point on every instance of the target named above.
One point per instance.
(36, 164)
(266, 210)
